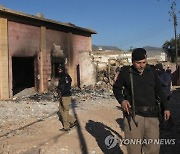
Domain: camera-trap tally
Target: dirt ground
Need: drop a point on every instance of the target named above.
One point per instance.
(30, 125)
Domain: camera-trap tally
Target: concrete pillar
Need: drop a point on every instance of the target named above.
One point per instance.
(4, 68)
(44, 63)
(90, 44)
(43, 38)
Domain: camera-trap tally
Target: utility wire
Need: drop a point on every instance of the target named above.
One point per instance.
(151, 30)
(147, 34)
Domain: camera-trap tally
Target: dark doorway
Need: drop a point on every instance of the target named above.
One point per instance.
(78, 75)
(23, 73)
(55, 69)
(55, 63)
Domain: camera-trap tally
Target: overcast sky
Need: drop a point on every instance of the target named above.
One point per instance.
(121, 23)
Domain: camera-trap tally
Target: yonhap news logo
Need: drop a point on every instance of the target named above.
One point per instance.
(111, 141)
(148, 141)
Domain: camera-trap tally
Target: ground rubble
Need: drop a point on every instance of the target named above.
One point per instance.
(31, 104)
(29, 123)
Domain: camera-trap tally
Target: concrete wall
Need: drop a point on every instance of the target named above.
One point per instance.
(87, 69)
(80, 44)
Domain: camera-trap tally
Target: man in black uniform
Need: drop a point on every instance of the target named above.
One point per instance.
(140, 103)
(165, 79)
(64, 88)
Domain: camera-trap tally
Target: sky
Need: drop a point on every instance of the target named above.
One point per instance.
(125, 24)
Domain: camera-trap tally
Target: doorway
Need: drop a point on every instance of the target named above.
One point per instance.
(23, 73)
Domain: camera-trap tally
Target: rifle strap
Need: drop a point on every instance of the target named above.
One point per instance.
(132, 91)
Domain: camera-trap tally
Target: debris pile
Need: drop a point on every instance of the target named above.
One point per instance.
(107, 77)
(28, 107)
(100, 90)
(93, 92)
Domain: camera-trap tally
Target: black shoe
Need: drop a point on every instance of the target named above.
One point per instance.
(65, 130)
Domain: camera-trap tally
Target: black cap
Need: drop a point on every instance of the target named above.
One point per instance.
(159, 66)
(139, 54)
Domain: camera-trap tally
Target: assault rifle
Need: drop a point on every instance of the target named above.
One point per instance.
(130, 116)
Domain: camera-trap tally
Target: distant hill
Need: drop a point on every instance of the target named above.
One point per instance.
(152, 51)
(104, 47)
(149, 48)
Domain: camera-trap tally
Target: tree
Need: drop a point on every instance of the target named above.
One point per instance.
(169, 48)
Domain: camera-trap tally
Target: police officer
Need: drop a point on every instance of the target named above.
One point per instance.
(165, 78)
(64, 87)
(142, 102)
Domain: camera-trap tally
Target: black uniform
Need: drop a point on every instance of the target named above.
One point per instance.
(146, 89)
(64, 87)
(65, 84)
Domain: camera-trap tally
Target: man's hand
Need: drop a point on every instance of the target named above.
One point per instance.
(126, 106)
(167, 114)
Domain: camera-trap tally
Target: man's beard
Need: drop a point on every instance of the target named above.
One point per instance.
(140, 70)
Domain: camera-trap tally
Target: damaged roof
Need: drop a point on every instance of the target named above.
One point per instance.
(40, 21)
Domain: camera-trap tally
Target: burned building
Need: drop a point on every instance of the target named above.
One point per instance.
(31, 47)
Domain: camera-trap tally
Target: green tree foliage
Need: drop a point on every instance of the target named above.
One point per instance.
(170, 50)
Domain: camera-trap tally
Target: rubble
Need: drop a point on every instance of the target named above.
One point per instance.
(38, 105)
(93, 92)
(29, 122)
(24, 118)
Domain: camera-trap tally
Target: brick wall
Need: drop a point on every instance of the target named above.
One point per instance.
(24, 40)
(71, 44)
